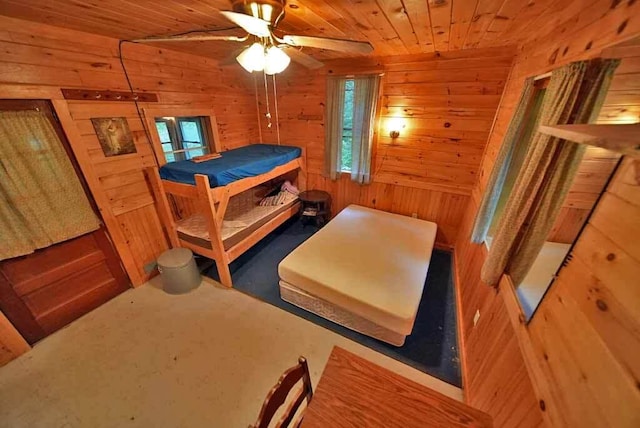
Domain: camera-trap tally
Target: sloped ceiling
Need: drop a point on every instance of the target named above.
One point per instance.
(393, 27)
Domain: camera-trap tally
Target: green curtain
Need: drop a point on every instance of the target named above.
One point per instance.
(365, 97)
(364, 114)
(499, 172)
(574, 95)
(41, 199)
(334, 122)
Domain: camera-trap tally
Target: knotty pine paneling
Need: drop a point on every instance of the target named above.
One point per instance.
(448, 102)
(580, 347)
(39, 59)
(443, 208)
(587, 329)
(595, 169)
(392, 27)
(495, 374)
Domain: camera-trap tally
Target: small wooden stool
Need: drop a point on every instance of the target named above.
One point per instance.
(316, 206)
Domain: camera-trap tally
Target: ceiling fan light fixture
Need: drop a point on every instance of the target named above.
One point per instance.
(254, 10)
(276, 60)
(267, 12)
(253, 58)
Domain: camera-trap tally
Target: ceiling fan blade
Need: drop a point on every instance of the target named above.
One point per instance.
(252, 25)
(330, 44)
(302, 58)
(191, 38)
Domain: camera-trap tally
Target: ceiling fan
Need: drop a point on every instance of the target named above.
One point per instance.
(268, 52)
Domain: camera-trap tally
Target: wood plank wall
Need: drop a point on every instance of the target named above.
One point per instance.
(12, 344)
(495, 377)
(572, 350)
(447, 102)
(37, 60)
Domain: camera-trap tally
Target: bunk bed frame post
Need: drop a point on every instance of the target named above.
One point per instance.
(162, 204)
(214, 221)
(223, 202)
(213, 204)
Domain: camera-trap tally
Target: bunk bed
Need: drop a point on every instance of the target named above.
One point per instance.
(213, 207)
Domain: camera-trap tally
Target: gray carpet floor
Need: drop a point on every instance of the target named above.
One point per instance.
(433, 345)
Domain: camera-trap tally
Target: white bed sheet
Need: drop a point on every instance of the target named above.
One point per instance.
(370, 262)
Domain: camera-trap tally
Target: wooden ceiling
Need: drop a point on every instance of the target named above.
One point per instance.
(393, 27)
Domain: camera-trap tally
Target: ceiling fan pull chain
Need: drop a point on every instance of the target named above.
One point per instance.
(266, 94)
(255, 91)
(275, 103)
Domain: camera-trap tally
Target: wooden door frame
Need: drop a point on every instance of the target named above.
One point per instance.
(61, 109)
(10, 337)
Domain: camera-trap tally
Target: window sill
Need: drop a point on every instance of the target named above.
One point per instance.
(487, 242)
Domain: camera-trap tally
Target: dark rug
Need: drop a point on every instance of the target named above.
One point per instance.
(431, 348)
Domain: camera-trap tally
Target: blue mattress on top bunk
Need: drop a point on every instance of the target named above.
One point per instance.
(236, 164)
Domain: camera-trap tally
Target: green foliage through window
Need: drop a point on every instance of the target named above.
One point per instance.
(347, 126)
(182, 138)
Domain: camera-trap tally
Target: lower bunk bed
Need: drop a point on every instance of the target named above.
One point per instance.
(214, 207)
(365, 270)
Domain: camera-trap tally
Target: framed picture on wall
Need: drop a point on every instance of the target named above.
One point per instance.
(114, 135)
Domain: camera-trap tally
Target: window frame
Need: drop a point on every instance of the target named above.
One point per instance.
(349, 168)
(210, 129)
(539, 86)
(378, 113)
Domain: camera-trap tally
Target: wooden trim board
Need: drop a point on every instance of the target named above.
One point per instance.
(12, 344)
(622, 138)
(249, 182)
(459, 330)
(550, 411)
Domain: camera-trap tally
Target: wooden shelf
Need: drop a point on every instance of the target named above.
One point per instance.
(623, 139)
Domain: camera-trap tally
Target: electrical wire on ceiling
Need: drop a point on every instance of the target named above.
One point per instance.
(211, 30)
(130, 85)
(266, 89)
(135, 101)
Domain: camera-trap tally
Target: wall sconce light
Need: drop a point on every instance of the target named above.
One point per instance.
(628, 118)
(395, 125)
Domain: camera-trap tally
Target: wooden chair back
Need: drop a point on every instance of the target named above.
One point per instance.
(278, 394)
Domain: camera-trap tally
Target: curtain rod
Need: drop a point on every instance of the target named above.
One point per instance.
(542, 76)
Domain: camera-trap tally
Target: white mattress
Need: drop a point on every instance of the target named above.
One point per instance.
(197, 226)
(370, 262)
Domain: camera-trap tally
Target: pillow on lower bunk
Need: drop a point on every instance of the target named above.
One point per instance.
(281, 198)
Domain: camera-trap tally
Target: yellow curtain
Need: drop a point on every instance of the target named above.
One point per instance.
(41, 199)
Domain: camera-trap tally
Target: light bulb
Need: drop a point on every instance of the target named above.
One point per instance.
(252, 58)
(267, 11)
(276, 60)
(254, 10)
(394, 126)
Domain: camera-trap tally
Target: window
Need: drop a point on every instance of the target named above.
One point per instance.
(347, 127)
(182, 138)
(350, 117)
(519, 153)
